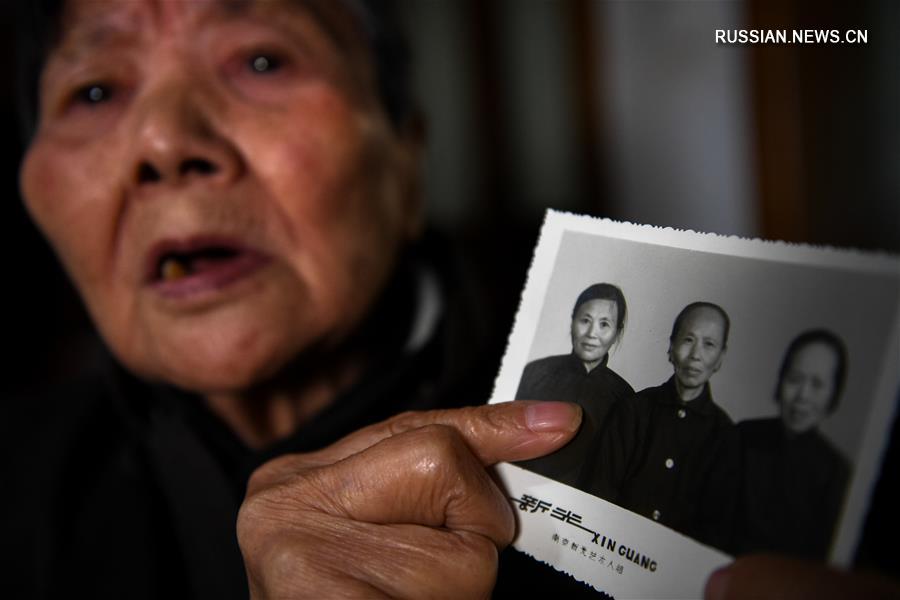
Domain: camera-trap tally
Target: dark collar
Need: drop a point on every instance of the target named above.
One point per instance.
(702, 404)
(811, 438)
(576, 365)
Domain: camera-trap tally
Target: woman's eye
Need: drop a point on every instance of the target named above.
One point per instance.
(264, 63)
(93, 94)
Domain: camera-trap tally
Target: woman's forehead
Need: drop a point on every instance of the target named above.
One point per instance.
(814, 356)
(598, 307)
(88, 21)
(703, 320)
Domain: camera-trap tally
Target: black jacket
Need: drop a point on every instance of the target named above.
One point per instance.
(793, 490)
(564, 378)
(672, 461)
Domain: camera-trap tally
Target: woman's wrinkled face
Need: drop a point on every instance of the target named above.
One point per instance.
(806, 390)
(698, 349)
(219, 180)
(594, 330)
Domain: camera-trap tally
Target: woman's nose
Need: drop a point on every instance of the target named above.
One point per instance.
(806, 392)
(176, 141)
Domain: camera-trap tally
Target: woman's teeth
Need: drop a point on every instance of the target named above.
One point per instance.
(172, 269)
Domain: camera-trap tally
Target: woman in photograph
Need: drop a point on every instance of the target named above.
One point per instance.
(794, 478)
(671, 454)
(582, 377)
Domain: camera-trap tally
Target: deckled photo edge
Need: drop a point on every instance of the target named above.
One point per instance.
(875, 261)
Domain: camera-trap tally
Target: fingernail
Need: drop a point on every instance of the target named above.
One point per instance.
(542, 417)
(717, 585)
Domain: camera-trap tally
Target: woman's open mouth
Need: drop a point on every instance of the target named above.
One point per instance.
(179, 269)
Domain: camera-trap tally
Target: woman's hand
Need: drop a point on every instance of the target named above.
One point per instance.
(763, 576)
(404, 508)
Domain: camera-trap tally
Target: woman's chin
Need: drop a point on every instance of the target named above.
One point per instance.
(208, 373)
(209, 381)
(590, 359)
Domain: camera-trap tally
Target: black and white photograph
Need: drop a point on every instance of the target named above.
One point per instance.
(729, 388)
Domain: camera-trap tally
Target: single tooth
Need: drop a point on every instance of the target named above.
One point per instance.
(173, 269)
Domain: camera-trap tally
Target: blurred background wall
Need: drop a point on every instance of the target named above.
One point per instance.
(624, 109)
(631, 110)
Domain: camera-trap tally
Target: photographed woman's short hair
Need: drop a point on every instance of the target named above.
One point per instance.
(833, 342)
(687, 310)
(605, 291)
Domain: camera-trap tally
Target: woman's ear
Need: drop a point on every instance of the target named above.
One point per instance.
(720, 360)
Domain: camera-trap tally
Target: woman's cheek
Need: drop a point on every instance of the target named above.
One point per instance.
(39, 183)
(67, 193)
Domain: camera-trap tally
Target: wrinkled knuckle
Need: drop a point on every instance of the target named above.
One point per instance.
(251, 514)
(276, 504)
(284, 571)
(497, 418)
(270, 472)
(259, 478)
(400, 422)
(442, 443)
(283, 561)
(249, 511)
(403, 422)
(434, 451)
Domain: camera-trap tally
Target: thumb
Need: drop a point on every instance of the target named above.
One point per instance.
(507, 431)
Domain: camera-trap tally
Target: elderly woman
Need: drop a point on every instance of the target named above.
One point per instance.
(794, 478)
(582, 377)
(232, 188)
